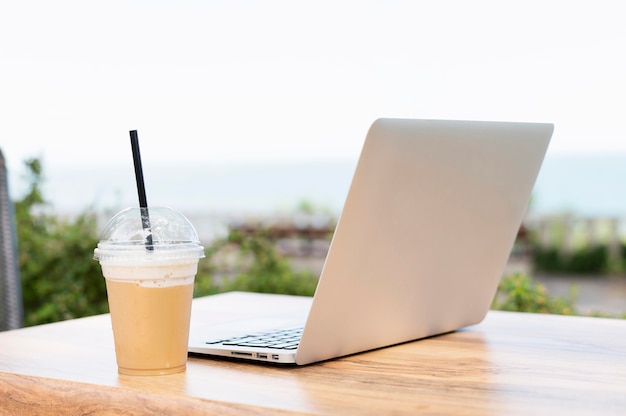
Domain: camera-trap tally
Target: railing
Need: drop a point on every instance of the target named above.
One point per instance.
(301, 235)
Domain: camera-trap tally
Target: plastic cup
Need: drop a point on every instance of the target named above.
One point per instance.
(150, 288)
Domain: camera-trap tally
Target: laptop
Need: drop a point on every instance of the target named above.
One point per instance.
(427, 227)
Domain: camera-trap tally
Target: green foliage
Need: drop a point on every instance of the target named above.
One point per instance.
(588, 260)
(547, 259)
(259, 267)
(519, 293)
(59, 278)
(618, 264)
(584, 260)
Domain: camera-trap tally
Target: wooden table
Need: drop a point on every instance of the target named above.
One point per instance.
(512, 363)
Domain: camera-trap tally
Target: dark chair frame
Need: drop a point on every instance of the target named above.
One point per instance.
(11, 301)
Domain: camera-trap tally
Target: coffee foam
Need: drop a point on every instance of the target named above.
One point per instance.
(152, 274)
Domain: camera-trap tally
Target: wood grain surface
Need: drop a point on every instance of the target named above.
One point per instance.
(512, 363)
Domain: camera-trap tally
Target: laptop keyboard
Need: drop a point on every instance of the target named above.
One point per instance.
(282, 339)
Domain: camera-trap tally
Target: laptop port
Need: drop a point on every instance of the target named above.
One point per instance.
(275, 357)
(263, 356)
(243, 354)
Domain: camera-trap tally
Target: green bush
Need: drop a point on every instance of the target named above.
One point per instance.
(518, 293)
(259, 267)
(59, 278)
(589, 260)
(547, 260)
(586, 260)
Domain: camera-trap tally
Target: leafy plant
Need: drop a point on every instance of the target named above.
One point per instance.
(519, 293)
(584, 260)
(59, 278)
(593, 259)
(257, 266)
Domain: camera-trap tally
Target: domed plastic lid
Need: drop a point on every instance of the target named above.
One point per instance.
(124, 236)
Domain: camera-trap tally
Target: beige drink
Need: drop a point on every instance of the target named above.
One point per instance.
(150, 289)
(141, 348)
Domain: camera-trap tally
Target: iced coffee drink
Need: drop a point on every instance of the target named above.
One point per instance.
(150, 289)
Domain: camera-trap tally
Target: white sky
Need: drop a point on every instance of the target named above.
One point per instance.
(221, 80)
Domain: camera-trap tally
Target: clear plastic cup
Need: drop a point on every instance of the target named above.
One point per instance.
(150, 288)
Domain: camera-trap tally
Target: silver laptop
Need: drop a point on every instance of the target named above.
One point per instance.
(428, 224)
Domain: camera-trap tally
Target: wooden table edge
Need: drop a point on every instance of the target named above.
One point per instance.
(22, 394)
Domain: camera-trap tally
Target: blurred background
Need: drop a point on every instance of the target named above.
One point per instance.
(253, 113)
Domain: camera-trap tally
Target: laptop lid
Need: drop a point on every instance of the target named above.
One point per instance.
(423, 239)
(425, 234)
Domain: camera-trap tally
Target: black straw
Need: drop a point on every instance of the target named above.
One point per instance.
(141, 189)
